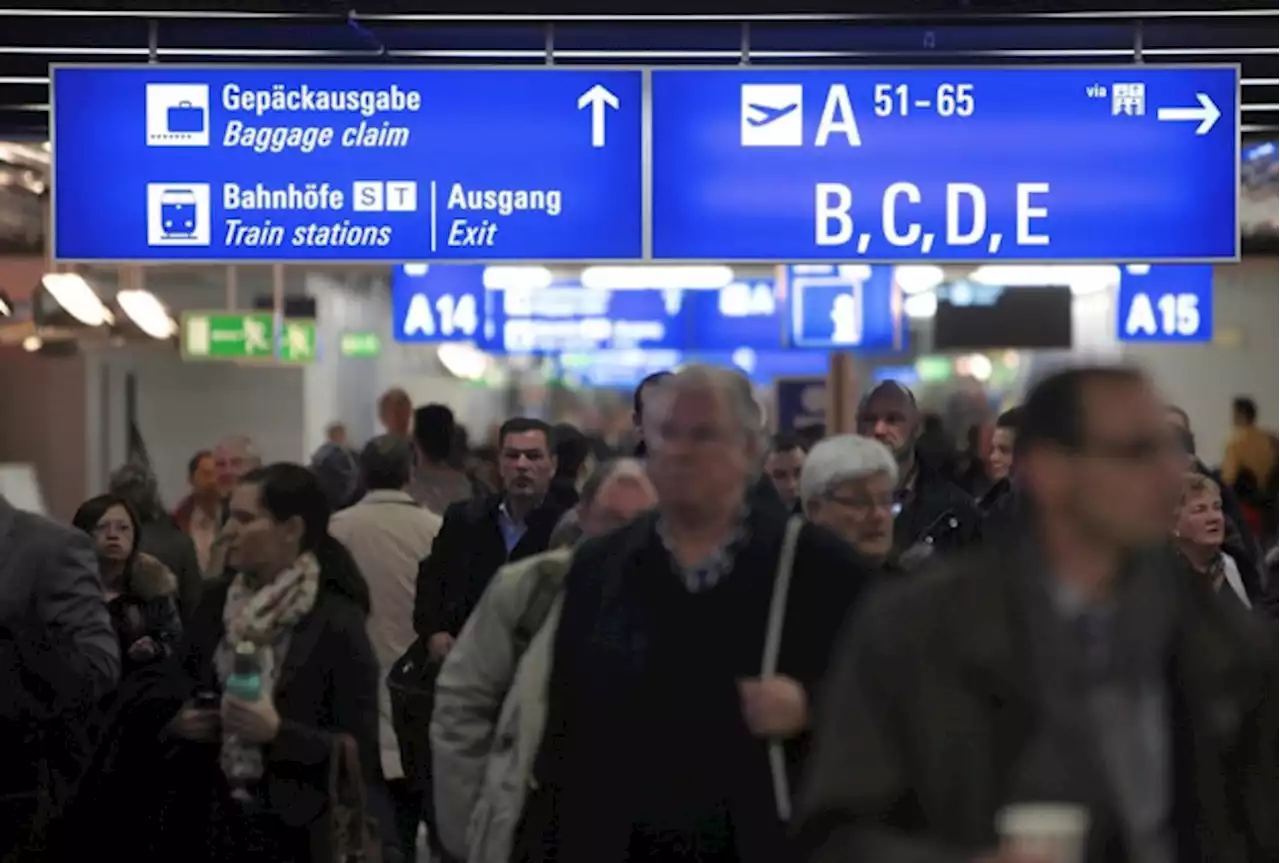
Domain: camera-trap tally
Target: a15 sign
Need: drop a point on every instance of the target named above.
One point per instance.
(1168, 303)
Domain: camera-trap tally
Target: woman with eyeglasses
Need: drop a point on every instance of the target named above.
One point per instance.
(141, 592)
(847, 486)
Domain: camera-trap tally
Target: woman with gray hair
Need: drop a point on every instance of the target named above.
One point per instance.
(847, 487)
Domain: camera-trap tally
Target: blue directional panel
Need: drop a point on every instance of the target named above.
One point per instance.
(229, 164)
(964, 164)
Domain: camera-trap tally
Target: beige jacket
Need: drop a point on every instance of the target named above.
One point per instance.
(489, 714)
(388, 534)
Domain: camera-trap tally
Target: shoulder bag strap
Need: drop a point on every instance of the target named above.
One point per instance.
(769, 663)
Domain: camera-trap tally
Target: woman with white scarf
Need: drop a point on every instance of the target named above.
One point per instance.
(297, 597)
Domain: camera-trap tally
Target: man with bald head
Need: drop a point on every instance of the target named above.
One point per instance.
(233, 457)
(395, 412)
(928, 510)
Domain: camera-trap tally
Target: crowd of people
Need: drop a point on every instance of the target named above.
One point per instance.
(715, 646)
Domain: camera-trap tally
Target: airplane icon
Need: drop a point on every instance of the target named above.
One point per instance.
(769, 113)
(772, 115)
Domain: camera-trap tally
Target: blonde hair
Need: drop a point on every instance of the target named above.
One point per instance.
(1195, 484)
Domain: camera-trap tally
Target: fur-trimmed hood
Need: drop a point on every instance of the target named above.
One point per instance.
(151, 579)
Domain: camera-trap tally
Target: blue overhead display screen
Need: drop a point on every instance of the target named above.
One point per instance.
(1131, 163)
(292, 164)
(226, 164)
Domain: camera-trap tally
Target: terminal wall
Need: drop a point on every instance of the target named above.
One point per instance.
(1243, 360)
(43, 422)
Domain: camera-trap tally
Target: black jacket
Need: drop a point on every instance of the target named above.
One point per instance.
(466, 553)
(764, 497)
(934, 698)
(935, 510)
(610, 699)
(165, 541)
(326, 683)
(148, 608)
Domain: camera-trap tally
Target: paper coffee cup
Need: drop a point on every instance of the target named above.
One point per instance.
(1054, 831)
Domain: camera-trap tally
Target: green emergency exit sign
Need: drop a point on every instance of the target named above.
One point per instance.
(246, 336)
(360, 345)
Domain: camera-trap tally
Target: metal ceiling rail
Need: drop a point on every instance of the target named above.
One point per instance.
(625, 53)
(21, 82)
(646, 18)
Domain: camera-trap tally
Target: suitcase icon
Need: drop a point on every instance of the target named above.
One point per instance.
(185, 118)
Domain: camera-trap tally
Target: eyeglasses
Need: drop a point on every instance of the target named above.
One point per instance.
(864, 505)
(1140, 449)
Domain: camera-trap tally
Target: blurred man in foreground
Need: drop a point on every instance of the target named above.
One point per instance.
(1065, 664)
(676, 723)
(58, 656)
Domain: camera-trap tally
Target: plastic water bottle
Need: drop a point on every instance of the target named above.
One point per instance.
(245, 683)
(245, 680)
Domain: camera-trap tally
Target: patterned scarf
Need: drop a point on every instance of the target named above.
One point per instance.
(266, 617)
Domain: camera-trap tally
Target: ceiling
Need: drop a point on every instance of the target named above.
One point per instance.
(872, 32)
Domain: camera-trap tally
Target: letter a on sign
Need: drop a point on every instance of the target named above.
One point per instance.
(419, 320)
(1141, 317)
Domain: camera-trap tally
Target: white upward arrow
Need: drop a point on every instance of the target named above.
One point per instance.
(597, 97)
(1207, 113)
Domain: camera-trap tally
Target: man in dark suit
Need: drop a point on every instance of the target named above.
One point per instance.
(482, 534)
(58, 656)
(477, 537)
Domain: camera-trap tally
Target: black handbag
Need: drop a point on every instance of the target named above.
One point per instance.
(411, 684)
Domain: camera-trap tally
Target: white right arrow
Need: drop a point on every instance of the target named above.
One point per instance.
(1207, 113)
(597, 97)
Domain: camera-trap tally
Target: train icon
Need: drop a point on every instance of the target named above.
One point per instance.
(178, 211)
(178, 214)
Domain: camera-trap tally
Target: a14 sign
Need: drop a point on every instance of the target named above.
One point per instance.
(1165, 304)
(449, 316)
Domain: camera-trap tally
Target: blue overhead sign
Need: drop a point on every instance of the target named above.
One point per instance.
(1133, 163)
(569, 318)
(451, 304)
(745, 314)
(437, 304)
(1165, 304)
(844, 307)
(227, 164)
(800, 402)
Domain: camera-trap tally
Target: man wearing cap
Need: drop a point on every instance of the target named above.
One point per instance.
(930, 512)
(388, 534)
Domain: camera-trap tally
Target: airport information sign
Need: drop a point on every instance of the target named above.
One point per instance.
(1165, 304)
(315, 164)
(1130, 163)
(844, 307)
(450, 304)
(230, 164)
